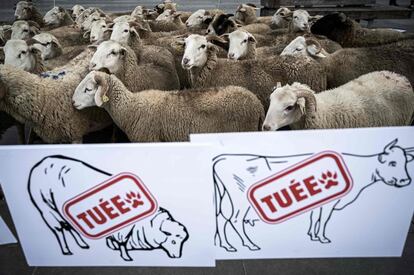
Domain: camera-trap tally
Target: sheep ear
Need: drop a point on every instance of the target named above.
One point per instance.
(101, 96)
(86, 34)
(301, 104)
(34, 50)
(252, 39)
(207, 19)
(314, 48)
(242, 10)
(123, 51)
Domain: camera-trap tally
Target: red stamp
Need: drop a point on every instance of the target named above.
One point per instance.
(306, 185)
(109, 206)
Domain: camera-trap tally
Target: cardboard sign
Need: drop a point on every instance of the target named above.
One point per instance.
(111, 205)
(310, 194)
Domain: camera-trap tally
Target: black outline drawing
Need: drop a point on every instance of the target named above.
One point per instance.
(320, 217)
(140, 237)
(227, 212)
(56, 222)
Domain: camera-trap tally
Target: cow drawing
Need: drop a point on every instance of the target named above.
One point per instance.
(230, 192)
(50, 185)
(234, 174)
(159, 232)
(390, 168)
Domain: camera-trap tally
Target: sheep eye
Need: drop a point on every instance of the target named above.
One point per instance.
(203, 46)
(244, 41)
(87, 90)
(289, 108)
(125, 30)
(113, 52)
(392, 164)
(295, 17)
(25, 30)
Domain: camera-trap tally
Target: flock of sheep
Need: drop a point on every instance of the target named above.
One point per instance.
(160, 74)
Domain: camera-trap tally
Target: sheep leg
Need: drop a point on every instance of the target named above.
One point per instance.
(58, 230)
(78, 239)
(124, 253)
(314, 220)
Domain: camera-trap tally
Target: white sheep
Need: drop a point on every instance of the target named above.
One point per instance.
(377, 99)
(100, 31)
(25, 10)
(24, 29)
(137, 75)
(45, 103)
(154, 116)
(20, 55)
(281, 18)
(76, 11)
(199, 19)
(57, 17)
(48, 45)
(259, 76)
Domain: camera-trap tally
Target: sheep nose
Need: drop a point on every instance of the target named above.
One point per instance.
(266, 127)
(231, 55)
(186, 60)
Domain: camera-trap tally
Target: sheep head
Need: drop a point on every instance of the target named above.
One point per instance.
(55, 16)
(196, 52)
(20, 55)
(23, 10)
(24, 29)
(100, 31)
(220, 24)
(304, 46)
(245, 12)
(110, 56)
(123, 31)
(240, 42)
(91, 91)
(199, 18)
(334, 26)
(76, 10)
(47, 44)
(288, 104)
(282, 17)
(300, 21)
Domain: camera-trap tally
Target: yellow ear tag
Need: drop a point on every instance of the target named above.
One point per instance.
(105, 98)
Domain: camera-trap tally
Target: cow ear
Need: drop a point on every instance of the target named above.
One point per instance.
(410, 157)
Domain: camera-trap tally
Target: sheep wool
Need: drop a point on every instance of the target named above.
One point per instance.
(154, 116)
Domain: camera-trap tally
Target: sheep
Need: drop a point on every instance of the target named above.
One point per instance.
(25, 10)
(48, 45)
(281, 18)
(68, 36)
(45, 103)
(205, 70)
(95, 16)
(349, 63)
(24, 29)
(57, 17)
(100, 31)
(338, 27)
(122, 61)
(5, 34)
(22, 56)
(377, 99)
(246, 14)
(242, 45)
(174, 23)
(221, 24)
(199, 19)
(76, 10)
(155, 116)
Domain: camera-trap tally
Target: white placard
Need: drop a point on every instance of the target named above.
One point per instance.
(111, 205)
(6, 236)
(310, 194)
